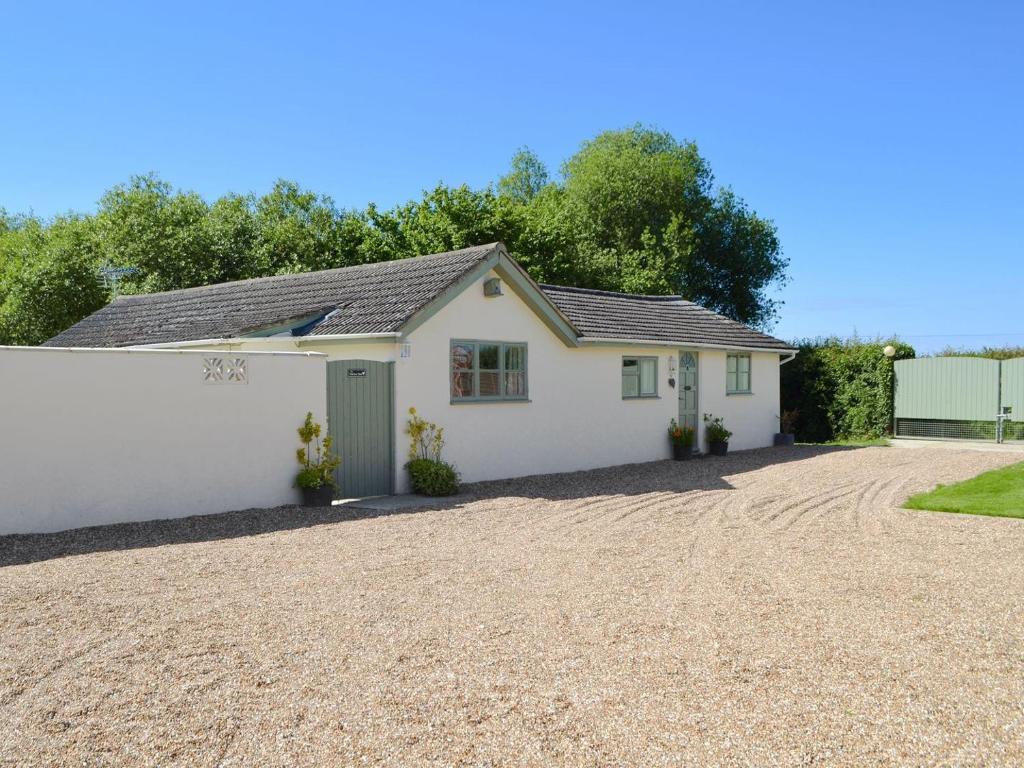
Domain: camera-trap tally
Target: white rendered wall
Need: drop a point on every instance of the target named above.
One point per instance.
(576, 417)
(753, 419)
(89, 437)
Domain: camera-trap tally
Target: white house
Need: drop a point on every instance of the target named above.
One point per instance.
(525, 378)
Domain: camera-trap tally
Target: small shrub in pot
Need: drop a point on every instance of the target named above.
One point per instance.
(429, 474)
(681, 437)
(316, 477)
(787, 428)
(716, 434)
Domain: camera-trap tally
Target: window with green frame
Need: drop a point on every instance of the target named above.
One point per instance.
(487, 370)
(639, 377)
(737, 374)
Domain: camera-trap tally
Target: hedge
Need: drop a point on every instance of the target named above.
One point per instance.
(841, 389)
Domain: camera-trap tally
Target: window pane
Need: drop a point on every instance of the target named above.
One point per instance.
(648, 383)
(730, 364)
(630, 385)
(743, 382)
(489, 384)
(515, 357)
(462, 384)
(515, 385)
(462, 356)
(730, 381)
(489, 357)
(744, 364)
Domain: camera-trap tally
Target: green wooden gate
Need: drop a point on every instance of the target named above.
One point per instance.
(361, 419)
(959, 398)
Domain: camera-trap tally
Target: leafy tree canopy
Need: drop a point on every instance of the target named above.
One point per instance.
(633, 210)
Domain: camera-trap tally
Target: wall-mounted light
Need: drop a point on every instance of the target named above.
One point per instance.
(889, 351)
(671, 370)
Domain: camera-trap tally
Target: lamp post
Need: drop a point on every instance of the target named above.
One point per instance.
(890, 352)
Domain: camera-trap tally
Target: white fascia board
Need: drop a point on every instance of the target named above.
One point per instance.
(392, 336)
(601, 341)
(186, 344)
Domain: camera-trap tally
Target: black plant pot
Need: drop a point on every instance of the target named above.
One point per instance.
(719, 448)
(681, 452)
(782, 438)
(318, 497)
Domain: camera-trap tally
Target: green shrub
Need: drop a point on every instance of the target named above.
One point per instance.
(841, 389)
(433, 477)
(316, 459)
(429, 473)
(714, 429)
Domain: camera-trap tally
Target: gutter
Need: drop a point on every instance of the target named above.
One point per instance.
(384, 337)
(184, 344)
(597, 340)
(786, 360)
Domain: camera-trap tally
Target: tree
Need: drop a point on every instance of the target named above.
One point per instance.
(48, 278)
(642, 215)
(526, 179)
(635, 210)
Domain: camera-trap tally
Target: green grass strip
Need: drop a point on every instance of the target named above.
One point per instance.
(999, 493)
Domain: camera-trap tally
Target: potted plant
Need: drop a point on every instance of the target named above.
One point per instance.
(316, 478)
(787, 428)
(717, 435)
(681, 437)
(429, 474)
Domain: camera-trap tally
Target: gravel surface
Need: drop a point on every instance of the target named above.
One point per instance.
(769, 608)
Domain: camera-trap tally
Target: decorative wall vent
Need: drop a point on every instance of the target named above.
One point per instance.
(492, 287)
(219, 370)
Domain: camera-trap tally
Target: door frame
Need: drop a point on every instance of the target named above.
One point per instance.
(335, 368)
(696, 399)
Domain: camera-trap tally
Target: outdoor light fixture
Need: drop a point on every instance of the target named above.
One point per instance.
(889, 351)
(671, 370)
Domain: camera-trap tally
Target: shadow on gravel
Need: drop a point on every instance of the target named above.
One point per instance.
(703, 473)
(20, 549)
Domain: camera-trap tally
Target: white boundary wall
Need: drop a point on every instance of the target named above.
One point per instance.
(90, 437)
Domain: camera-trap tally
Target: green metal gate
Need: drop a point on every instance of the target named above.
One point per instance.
(1011, 388)
(360, 418)
(959, 398)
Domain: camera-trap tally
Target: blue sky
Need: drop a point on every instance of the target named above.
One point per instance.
(886, 140)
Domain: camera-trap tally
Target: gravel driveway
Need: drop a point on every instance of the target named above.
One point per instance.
(769, 608)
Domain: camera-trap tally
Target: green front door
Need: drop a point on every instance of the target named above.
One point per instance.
(360, 419)
(688, 389)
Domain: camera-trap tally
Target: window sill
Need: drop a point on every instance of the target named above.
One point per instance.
(489, 400)
(738, 394)
(644, 397)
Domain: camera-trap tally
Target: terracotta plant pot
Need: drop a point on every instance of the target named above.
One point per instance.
(317, 497)
(719, 448)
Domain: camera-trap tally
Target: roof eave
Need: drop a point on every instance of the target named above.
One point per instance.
(613, 341)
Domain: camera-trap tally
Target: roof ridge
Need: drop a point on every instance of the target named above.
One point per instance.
(599, 292)
(485, 248)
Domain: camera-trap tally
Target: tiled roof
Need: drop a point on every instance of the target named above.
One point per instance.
(371, 298)
(381, 298)
(609, 315)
